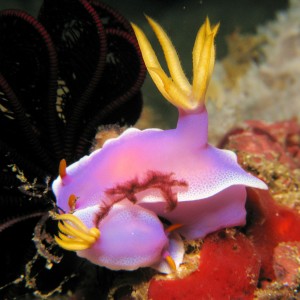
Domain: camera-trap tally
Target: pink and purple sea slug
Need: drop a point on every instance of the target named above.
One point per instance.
(116, 198)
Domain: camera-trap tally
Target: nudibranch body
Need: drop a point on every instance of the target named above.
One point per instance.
(131, 237)
(174, 173)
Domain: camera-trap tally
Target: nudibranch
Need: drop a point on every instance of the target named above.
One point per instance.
(134, 181)
(125, 237)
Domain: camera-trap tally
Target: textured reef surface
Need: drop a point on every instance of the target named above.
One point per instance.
(128, 201)
(261, 259)
(258, 76)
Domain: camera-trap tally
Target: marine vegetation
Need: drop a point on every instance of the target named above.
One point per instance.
(130, 203)
(63, 74)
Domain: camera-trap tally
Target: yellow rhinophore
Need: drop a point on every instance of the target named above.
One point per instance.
(74, 234)
(177, 89)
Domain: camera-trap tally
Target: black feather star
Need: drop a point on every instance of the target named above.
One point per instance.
(62, 75)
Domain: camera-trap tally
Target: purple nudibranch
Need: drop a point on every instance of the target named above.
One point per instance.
(123, 190)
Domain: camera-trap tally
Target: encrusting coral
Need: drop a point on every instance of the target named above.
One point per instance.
(264, 79)
(122, 188)
(261, 259)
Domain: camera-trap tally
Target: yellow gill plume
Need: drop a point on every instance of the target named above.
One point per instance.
(177, 89)
(74, 235)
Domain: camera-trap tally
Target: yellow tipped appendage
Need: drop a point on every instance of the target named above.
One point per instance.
(74, 235)
(177, 89)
